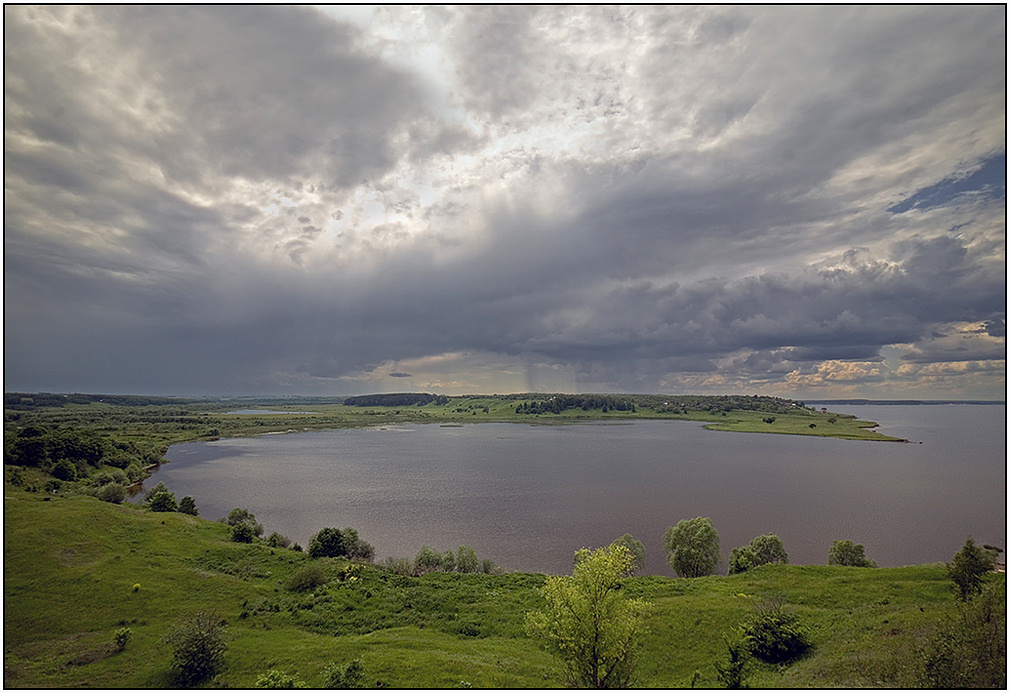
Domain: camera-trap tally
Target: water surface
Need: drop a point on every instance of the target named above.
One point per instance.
(528, 496)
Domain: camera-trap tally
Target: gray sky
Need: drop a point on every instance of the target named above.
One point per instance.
(805, 202)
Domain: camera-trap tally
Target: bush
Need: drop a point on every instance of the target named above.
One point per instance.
(969, 649)
(427, 560)
(348, 675)
(774, 635)
(199, 643)
(278, 679)
(734, 671)
(278, 541)
(64, 470)
(112, 493)
(238, 515)
(242, 533)
(121, 637)
(307, 577)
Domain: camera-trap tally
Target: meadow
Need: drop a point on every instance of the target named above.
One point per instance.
(76, 570)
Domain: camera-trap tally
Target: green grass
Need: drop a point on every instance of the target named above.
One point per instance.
(70, 565)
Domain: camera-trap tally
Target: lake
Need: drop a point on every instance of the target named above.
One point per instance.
(528, 496)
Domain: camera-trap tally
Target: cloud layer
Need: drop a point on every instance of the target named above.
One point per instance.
(797, 201)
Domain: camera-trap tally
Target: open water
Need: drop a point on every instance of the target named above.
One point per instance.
(528, 496)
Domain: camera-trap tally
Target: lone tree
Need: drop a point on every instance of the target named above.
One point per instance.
(692, 547)
(588, 623)
(762, 550)
(844, 552)
(969, 567)
(637, 550)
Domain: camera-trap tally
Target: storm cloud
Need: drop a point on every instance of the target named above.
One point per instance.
(807, 202)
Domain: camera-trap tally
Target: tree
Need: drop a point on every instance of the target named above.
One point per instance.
(163, 502)
(327, 542)
(427, 560)
(762, 550)
(241, 515)
(692, 547)
(844, 552)
(637, 550)
(188, 505)
(242, 533)
(588, 623)
(199, 643)
(969, 567)
(466, 560)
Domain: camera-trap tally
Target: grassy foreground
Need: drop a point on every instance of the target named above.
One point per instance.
(71, 564)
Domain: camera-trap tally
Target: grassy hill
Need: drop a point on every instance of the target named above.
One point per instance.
(71, 565)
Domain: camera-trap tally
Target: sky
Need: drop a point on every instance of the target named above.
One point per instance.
(807, 202)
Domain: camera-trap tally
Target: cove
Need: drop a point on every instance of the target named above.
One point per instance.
(528, 496)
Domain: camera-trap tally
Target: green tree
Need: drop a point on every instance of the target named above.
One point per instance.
(692, 547)
(762, 550)
(188, 505)
(844, 552)
(199, 643)
(240, 515)
(327, 542)
(466, 560)
(588, 623)
(163, 502)
(427, 560)
(969, 567)
(242, 533)
(637, 550)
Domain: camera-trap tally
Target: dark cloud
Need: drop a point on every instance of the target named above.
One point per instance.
(264, 199)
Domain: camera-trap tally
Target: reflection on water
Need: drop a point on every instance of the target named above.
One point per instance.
(527, 497)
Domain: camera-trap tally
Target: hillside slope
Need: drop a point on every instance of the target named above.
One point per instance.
(71, 566)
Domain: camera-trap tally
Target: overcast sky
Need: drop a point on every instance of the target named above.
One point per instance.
(804, 202)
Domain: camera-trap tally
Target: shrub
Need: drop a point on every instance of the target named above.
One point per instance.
(969, 649)
(242, 533)
(278, 541)
(307, 577)
(734, 671)
(64, 470)
(199, 643)
(157, 488)
(348, 675)
(466, 560)
(774, 635)
(121, 637)
(112, 493)
(278, 679)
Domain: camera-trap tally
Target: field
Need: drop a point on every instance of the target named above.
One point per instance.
(71, 565)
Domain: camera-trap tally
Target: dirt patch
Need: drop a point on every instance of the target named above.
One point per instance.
(93, 656)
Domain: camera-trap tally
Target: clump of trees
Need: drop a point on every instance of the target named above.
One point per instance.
(844, 552)
(398, 399)
(588, 623)
(692, 547)
(762, 550)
